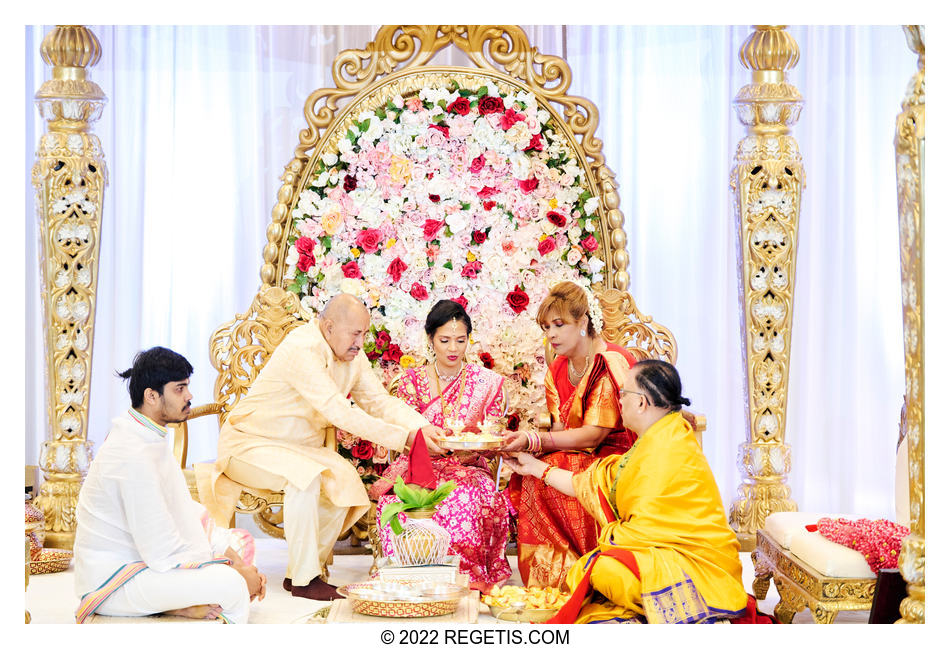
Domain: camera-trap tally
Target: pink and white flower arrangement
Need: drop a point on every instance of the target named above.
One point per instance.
(471, 195)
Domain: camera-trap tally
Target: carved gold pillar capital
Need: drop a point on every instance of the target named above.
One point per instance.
(909, 145)
(69, 177)
(766, 181)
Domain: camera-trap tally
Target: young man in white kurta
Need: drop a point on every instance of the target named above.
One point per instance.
(134, 506)
(280, 436)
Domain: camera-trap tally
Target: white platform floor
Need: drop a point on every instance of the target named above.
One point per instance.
(50, 598)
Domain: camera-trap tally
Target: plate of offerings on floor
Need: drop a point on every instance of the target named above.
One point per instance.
(403, 598)
(519, 604)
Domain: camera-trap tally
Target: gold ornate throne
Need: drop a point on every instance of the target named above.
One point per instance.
(397, 64)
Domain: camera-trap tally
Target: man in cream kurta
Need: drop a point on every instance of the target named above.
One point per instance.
(280, 436)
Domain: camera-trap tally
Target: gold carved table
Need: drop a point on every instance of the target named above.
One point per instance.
(800, 586)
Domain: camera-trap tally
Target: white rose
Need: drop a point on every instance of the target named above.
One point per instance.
(508, 101)
(595, 264)
(292, 258)
(591, 225)
(573, 256)
(483, 133)
(344, 145)
(574, 234)
(441, 276)
(543, 116)
(329, 159)
(518, 136)
(371, 216)
(492, 89)
(520, 166)
(322, 179)
(458, 222)
(591, 204)
(547, 227)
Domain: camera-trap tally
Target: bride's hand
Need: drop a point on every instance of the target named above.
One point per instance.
(515, 441)
(526, 464)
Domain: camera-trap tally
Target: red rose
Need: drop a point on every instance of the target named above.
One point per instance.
(362, 450)
(488, 205)
(393, 353)
(536, 143)
(510, 118)
(435, 198)
(479, 236)
(486, 360)
(383, 339)
(518, 300)
(349, 182)
(439, 127)
(431, 229)
(529, 185)
(461, 300)
(352, 269)
(369, 240)
(514, 421)
(488, 105)
(418, 291)
(373, 354)
(304, 245)
(396, 268)
(589, 243)
(546, 246)
(486, 191)
(477, 164)
(557, 219)
(460, 106)
(305, 262)
(471, 269)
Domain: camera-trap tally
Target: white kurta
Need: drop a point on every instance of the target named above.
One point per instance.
(134, 505)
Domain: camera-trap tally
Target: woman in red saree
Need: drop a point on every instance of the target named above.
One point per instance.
(582, 389)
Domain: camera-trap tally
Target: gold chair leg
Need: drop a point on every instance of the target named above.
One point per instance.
(823, 615)
(763, 574)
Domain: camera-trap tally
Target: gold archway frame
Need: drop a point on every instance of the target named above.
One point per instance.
(363, 76)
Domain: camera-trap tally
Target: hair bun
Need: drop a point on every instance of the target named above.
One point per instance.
(684, 401)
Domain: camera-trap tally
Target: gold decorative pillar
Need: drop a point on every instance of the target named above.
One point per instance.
(909, 147)
(767, 182)
(69, 177)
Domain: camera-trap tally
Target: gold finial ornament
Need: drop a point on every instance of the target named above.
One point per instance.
(69, 177)
(909, 147)
(766, 182)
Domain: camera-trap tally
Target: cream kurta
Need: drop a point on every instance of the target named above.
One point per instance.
(284, 424)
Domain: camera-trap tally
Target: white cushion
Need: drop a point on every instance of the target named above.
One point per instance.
(782, 526)
(829, 558)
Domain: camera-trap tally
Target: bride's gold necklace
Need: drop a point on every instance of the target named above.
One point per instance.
(438, 381)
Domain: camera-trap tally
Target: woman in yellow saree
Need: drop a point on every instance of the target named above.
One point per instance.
(665, 553)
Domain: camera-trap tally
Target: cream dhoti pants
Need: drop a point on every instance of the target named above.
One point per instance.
(151, 592)
(312, 524)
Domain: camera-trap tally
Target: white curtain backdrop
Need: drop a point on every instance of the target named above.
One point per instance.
(201, 121)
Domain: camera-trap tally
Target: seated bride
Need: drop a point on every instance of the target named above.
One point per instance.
(453, 393)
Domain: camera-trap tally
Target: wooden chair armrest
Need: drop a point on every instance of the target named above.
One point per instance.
(180, 430)
(698, 422)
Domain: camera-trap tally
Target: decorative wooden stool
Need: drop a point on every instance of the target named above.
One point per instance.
(809, 571)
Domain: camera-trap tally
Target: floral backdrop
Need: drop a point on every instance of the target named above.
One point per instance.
(471, 195)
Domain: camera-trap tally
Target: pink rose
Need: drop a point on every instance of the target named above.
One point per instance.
(589, 243)
(369, 240)
(461, 300)
(304, 245)
(546, 246)
(477, 164)
(486, 192)
(536, 143)
(471, 269)
(510, 118)
(414, 104)
(383, 339)
(431, 229)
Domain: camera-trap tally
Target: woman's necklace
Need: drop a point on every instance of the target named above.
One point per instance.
(575, 376)
(458, 401)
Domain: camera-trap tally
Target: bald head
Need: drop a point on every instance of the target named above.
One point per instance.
(344, 322)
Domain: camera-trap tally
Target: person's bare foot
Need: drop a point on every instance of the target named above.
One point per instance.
(316, 589)
(197, 612)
